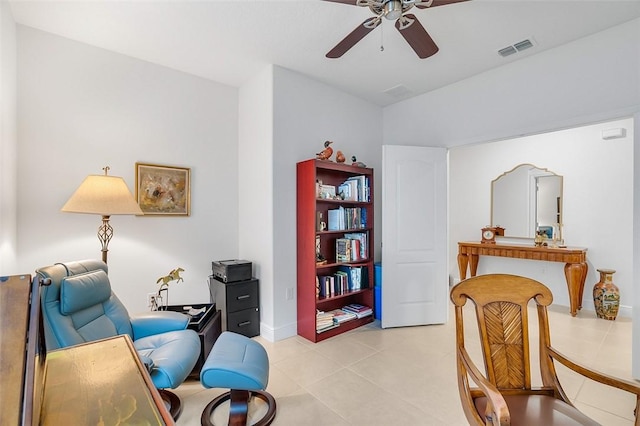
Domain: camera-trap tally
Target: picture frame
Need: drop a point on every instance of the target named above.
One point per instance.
(163, 190)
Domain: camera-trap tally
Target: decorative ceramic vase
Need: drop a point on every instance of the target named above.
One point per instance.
(606, 295)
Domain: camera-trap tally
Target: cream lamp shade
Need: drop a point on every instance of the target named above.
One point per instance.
(104, 195)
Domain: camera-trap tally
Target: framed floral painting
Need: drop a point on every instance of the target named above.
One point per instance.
(163, 190)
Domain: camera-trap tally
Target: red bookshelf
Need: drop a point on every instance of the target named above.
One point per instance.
(309, 204)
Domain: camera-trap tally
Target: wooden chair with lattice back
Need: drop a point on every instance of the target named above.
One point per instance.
(505, 395)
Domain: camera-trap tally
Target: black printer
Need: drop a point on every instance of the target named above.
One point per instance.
(229, 271)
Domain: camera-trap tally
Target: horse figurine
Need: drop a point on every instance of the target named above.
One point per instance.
(160, 302)
(174, 275)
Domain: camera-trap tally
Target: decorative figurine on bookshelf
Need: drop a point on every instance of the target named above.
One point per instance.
(326, 153)
(355, 162)
(340, 158)
(320, 259)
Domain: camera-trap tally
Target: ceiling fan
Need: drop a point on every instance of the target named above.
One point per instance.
(407, 23)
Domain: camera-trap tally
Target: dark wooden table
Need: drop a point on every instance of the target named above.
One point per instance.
(208, 328)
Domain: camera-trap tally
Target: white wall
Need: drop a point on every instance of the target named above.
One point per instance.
(81, 108)
(256, 190)
(8, 144)
(636, 251)
(306, 114)
(597, 199)
(285, 117)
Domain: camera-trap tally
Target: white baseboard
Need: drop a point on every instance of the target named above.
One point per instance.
(281, 333)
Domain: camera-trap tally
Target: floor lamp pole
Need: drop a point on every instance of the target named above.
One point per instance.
(105, 233)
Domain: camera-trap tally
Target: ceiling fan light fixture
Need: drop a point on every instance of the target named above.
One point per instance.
(393, 9)
(405, 22)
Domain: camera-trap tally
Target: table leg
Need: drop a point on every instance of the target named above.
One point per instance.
(576, 274)
(463, 261)
(473, 264)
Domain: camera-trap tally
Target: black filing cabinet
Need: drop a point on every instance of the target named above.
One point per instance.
(239, 303)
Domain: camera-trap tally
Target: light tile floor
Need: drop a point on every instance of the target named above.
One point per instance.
(407, 376)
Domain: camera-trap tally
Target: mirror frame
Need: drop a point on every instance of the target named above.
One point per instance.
(546, 171)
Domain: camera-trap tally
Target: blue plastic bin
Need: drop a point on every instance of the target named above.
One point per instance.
(377, 302)
(377, 294)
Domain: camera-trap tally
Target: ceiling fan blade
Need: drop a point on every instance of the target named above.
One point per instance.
(434, 4)
(355, 36)
(417, 37)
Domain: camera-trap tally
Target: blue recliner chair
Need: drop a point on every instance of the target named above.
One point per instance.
(80, 307)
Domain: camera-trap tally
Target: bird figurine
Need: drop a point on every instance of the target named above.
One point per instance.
(340, 158)
(357, 163)
(326, 153)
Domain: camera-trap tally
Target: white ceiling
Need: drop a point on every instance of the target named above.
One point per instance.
(229, 41)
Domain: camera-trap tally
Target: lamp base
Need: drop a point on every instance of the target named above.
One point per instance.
(105, 233)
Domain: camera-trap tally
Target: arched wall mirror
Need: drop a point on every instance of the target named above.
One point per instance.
(525, 199)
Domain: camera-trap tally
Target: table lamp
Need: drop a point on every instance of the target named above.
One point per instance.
(104, 195)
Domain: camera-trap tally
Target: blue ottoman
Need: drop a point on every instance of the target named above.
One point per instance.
(241, 365)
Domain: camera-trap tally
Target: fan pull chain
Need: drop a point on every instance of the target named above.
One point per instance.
(381, 37)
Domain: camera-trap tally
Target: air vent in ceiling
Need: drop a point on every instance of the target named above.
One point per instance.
(516, 47)
(509, 50)
(522, 45)
(399, 91)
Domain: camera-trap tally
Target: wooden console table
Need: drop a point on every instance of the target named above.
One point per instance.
(575, 259)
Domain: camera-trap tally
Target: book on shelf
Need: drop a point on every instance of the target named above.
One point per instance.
(335, 219)
(348, 191)
(362, 246)
(360, 184)
(327, 327)
(324, 321)
(344, 218)
(323, 318)
(343, 250)
(340, 315)
(326, 284)
(361, 311)
(341, 282)
(358, 276)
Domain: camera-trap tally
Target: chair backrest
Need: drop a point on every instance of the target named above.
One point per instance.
(501, 310)
(79, 305)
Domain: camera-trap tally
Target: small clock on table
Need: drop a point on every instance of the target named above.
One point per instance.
(488, 235)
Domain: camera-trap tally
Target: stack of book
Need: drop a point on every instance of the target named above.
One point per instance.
(340, 315)
(324, 321)
(360, 311)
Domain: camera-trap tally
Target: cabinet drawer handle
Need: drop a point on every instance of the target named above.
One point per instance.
(242, 324)
(244, 296)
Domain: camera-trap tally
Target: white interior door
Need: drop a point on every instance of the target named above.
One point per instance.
(414, 236)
